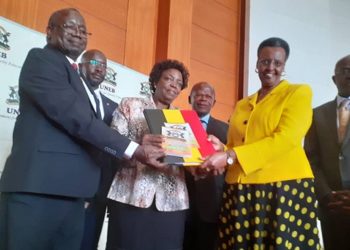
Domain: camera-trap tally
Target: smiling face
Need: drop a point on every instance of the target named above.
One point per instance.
(202, 98)
(93, 66)
(341, 77)
(270, 65)
(168, 87)
(67, 33)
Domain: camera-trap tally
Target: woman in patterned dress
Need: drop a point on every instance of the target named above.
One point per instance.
(148, 206)
(268, 200)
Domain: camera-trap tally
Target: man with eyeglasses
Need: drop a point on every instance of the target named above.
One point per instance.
(51, 168)
(327, 145)
(92, 70)
(205, 194)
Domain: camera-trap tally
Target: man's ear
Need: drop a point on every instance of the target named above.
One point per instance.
(48, 32)
(189, 99)
(333, 78)
(214, 103)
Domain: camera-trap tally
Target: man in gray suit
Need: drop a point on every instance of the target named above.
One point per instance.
(329, 157)
(204, 194)
(51, 168)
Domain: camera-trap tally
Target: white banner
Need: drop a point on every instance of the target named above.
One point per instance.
(15, 42)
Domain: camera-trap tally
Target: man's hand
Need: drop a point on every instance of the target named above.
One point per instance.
(339, 202)
(150, 155)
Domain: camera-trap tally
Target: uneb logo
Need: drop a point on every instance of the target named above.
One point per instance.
(110, 83)
(13, 96)
(145, 88)
(12, 110)
(111, 76)
(4, 39)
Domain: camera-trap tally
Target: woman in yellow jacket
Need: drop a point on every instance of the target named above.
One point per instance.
(268, 200)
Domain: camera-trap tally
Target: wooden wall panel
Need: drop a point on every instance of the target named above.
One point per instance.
(232, 4)
(23, 12)
(109, 39)
(203, 34)
(179, 39)
(141, 35)
(216, 19)
(113, 12)
(223, 81)
(213, 50)
(162, 30)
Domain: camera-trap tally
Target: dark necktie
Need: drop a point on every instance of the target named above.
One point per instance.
(343, 115)
(97, 101)
(204, 124)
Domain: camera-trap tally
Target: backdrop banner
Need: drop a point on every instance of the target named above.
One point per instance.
(15, 42)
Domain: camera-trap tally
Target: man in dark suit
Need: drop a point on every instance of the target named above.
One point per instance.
(204, 194)
(329, 156)
(50, 170)
(93, 71)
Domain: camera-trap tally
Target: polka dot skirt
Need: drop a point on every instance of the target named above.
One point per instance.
(279, 215)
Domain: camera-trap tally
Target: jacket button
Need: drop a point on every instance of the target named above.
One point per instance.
(245, 122)
(243, 139)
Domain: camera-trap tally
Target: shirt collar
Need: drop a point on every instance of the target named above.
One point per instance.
(205, 118)
(340, 99)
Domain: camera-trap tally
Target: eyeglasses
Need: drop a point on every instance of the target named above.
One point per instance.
(267, 62)
(96, 63)
(73, 28)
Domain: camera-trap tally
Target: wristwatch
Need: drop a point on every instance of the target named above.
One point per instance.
(229, 160)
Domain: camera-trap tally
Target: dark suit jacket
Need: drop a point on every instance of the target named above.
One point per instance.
(325, 154)
(328, 160)
(109, 106)
(205, 194)
(55, 131)
(109, 166)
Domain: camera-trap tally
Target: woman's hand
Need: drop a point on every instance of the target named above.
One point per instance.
(215, 163)
(218, 146)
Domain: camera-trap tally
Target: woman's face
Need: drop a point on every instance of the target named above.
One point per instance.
(169, 86)
(270, 65)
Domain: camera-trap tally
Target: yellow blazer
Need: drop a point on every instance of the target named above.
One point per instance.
(268, 136)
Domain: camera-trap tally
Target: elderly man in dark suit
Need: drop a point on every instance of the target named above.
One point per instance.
(50, 169)
(92, 69)
(204, 194)
(327, 145)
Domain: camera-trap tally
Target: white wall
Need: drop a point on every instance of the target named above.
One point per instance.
(318, 35)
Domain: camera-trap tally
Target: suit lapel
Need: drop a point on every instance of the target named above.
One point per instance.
(330, 119)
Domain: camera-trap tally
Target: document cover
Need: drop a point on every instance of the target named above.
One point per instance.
(159, 118)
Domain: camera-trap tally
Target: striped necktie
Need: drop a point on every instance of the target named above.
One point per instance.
(343, 116)
(204, 124)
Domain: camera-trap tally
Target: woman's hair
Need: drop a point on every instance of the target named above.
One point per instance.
(159, 67)
(274, 42)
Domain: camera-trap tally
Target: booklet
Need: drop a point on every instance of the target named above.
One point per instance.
(180, 125)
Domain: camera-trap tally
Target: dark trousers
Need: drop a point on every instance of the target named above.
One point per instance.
(134, 228)
(40, 222)
(94, 218)
(200, 235)
(336, 232)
